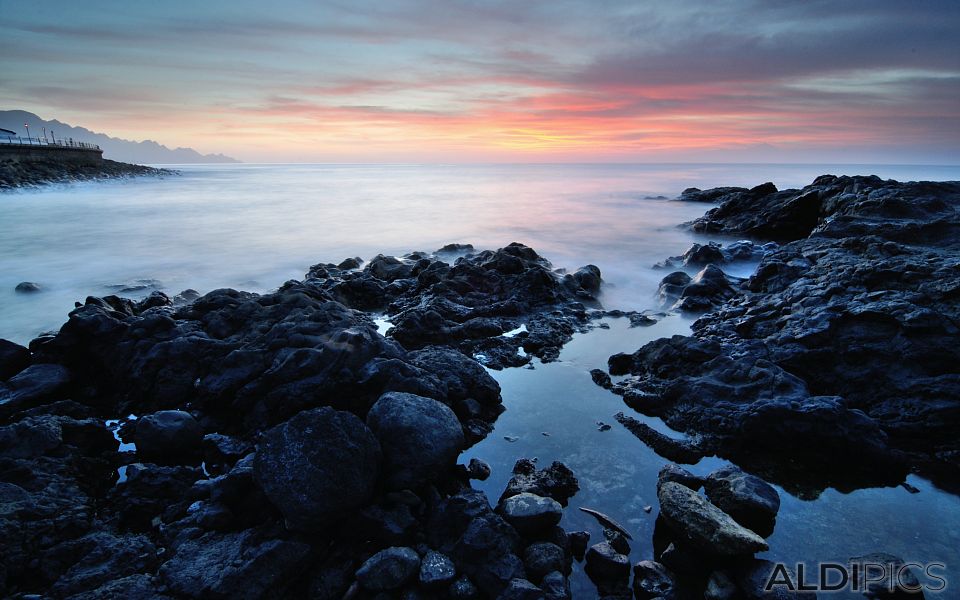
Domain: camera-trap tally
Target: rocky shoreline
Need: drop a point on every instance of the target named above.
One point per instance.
(17, 174)
(239, 445)
(842, 343)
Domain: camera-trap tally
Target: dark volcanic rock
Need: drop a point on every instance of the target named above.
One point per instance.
(693, 194)
(478, 469)
(542, 558)
(167, 436)
(751, 501)
(317, 465)
(677, 474)
(521, 589)
(681, 451)
(482, 544)
(27, 287)
(708, 289)
(13, 359)
(555, 586)
(388, 569)
(556, 481)
(419, 437)
(763, 212)
(295, 492)
(232, 565)
(839, 344)
(704, 525)
(652, 580)
(483, 294)
(531, 514)
(603, 562)
(436, 570)
(701, 255)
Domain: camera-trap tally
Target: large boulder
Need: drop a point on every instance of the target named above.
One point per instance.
(317, 465)
(420, 438)
(703, 525)
(751, 501)
(167, 436)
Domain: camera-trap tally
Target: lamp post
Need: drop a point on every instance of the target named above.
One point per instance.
(28, 132)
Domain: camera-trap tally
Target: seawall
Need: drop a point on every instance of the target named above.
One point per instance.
(64, 155)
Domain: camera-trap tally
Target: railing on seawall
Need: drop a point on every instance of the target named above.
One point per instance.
(11, 140)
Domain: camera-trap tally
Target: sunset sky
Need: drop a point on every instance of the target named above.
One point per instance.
(445, 80)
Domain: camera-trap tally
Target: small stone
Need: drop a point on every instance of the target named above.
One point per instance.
(436, 570)
(647, 509)
(617, 540)
(27, 287)
(530, 513)
(463, 589)
(652, 580)
(521, 589)
(478, 469)
(601, 378)
(604, 562)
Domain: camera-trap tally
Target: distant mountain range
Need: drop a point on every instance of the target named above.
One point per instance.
(148, 151)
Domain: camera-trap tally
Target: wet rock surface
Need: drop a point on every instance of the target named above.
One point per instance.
(838, 344)
(703, 525)
(277, 445)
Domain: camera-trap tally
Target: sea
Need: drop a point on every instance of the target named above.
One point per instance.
(255, 226)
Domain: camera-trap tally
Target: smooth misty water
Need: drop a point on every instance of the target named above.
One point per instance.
(255, 226)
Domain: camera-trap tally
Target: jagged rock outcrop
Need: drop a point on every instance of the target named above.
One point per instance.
(839, 344)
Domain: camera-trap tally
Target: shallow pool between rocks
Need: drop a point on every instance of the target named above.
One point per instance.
(555, 411)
